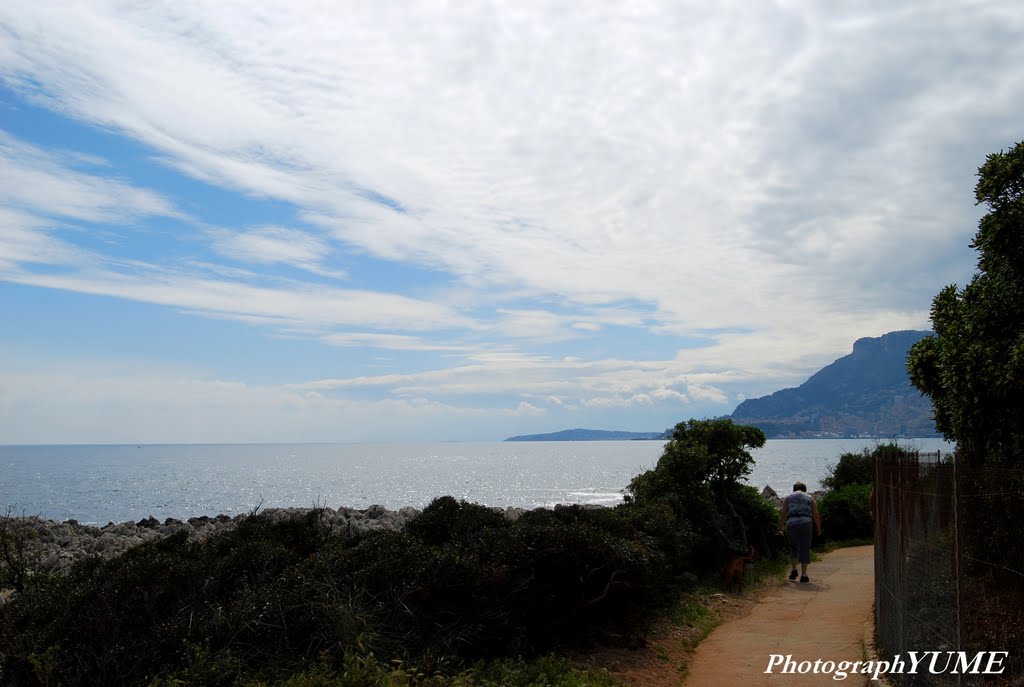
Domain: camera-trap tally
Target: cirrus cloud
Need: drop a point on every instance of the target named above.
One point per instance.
(666, 205)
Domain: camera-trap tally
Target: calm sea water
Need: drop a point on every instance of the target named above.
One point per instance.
(97, 484)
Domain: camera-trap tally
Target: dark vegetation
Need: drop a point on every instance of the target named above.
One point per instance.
(846, 508)
(852, 468)
(846, 513)
(18, 556)
(286, 603)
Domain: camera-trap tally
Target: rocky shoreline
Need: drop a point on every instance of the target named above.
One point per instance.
(54, 547)
(773, 497)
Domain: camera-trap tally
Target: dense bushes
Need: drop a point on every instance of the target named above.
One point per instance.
(846, 512)
(852, 468)
(760, 518)
(261, 601)
(846, 508)
(462, 582)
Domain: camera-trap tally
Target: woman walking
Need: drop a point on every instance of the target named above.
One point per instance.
(799, 513)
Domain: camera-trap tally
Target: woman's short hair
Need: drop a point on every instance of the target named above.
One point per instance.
(800, 486)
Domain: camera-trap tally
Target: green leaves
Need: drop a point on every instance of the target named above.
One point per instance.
(846, 512)
(697, 479)
(852, 468)
(717, 450)
(973, 368)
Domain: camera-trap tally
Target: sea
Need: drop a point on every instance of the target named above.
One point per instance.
(120, 483)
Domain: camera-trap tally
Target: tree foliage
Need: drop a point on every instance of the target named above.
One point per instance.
(859, 468)
(973, 367)
(701, 453)
(846, 512)
(852, 468)
(846, 508)
(698, 478)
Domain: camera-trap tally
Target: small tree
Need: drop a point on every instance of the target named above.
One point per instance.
(728, 447)
(713, 453)
(973, 367)
(698, 476)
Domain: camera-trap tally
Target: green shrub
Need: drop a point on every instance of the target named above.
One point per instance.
(255, 603)
(761, 519)
(447, 520)
(846, 513)
(859, 467)
(852, 468)
(672, 539)
(590, 572)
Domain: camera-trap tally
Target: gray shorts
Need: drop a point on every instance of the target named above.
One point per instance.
(800, 541)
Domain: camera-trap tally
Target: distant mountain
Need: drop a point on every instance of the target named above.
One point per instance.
(866, 393)
(588, 435)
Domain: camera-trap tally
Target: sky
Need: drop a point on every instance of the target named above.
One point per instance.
(423, 221)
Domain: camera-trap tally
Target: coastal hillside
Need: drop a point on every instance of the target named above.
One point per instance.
(865, 393)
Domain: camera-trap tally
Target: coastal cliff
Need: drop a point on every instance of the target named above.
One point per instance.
(865, 393)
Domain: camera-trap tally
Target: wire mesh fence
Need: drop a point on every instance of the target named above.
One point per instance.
(949, 567)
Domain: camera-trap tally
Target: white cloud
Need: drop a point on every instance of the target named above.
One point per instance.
(25, 238)
(534, 324)
(394, 342)
(526, 408)
(316, 307)
(780, 179)
(271, 244)
(34, 180)
(675, 156)
(42, 196)
(557, 383)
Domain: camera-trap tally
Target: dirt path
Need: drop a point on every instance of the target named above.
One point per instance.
(828, 619)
